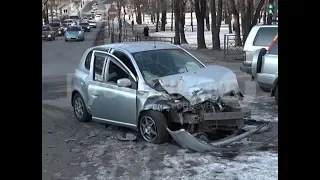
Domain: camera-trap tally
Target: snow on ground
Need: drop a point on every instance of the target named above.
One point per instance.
(262, 108)
(182, 164)
(248, 166)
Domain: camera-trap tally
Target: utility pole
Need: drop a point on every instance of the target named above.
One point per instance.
(270, 12)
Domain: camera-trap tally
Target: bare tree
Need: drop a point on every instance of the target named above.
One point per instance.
(176, 22)
(172, 6)
(157, 14)
(137, 4)
(207, 19)
(200, 9)
(236, 23)
(163, 15)
(191, 11)
(182, 21)
(216, 17)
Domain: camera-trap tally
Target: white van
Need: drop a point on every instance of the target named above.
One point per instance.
(97, 17)
(259, 37)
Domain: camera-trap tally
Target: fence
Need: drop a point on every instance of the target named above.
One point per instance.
(230, 49)
(116, 37)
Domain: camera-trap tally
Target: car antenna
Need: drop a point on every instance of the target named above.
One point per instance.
(154, 44)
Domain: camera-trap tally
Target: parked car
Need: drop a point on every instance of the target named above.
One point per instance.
(85, 26)
(74, 33)
(48, 33)
(155, 88)
(259, 37)
(92, 23)
(265, 68)
(58, 28)
(97, 17)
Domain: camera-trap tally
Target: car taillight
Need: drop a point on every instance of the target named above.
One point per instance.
(244, 55)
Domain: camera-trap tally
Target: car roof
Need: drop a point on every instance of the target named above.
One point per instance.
(134, 47)
(273, 25)
(76, 26)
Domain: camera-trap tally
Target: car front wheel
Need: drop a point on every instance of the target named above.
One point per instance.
(152, 127)
(80, 109)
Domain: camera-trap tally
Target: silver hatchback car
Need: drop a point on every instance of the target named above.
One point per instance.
(151, 87)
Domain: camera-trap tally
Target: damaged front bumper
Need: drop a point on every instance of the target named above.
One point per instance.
(188, 141)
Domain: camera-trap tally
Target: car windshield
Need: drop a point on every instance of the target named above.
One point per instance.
(159, 63)
(91, 21)
(68, 21)
(84, 24)
(65, 25)
(54, 24)
(45, 28)
(73, 28)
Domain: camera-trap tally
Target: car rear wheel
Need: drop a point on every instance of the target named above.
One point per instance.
(152, 127)
(80, 109)
(65, 40)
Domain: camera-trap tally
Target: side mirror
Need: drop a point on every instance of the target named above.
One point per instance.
(124, 82)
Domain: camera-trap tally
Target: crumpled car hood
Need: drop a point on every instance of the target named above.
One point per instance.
(201, 85)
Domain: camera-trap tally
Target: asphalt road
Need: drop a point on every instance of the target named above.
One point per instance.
(74, 150)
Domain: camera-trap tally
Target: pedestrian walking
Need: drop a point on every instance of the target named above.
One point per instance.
(132, 24)
(146, 30)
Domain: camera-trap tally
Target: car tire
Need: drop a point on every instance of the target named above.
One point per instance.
(264, 89)
(276, 95)
(159, 124)
(65, 40)
(78, 102)
(257, 62)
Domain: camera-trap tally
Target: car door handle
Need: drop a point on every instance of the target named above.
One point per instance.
(81, 82)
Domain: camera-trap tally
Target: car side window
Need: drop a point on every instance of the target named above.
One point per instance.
(265, 36)
(274, 49)
(99, 63)
(88, 61)
(115, 73)
(125, 60)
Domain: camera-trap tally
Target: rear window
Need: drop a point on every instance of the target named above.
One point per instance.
(274, 49)
(84, 24)
(73, 28)
(265, 36)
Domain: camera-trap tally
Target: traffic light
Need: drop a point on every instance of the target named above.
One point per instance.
(271, 9)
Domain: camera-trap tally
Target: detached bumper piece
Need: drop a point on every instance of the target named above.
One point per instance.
(188, 141)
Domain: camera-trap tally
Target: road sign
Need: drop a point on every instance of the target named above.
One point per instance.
(112, 13)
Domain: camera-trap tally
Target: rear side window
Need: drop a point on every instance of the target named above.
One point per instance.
(88, 61)
(265, 36)
(99, 60)
(274, 49)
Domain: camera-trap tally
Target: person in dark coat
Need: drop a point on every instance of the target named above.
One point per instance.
(146, 31)
(132, 24)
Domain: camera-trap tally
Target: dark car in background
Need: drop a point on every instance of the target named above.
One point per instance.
(85, 26)
(48, 33)
(58, 28)
(65, 26)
